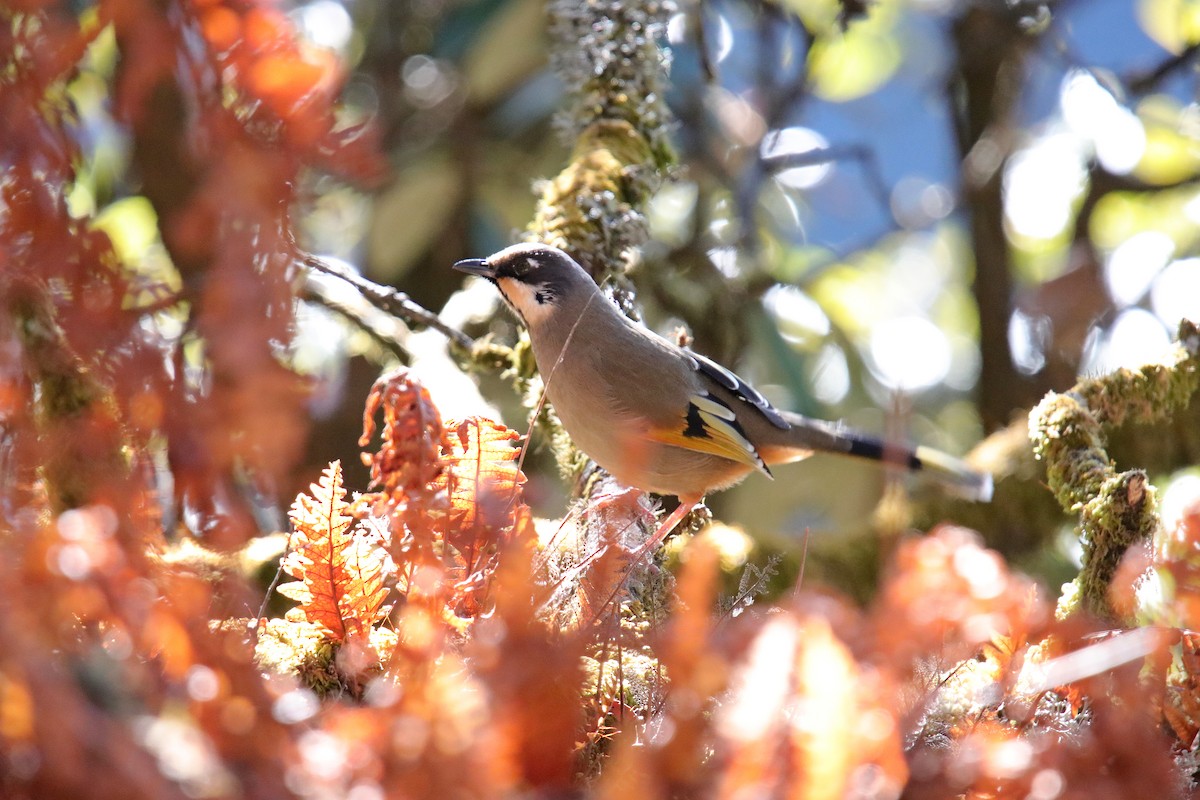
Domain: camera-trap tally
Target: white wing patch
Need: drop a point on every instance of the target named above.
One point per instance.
(733, 383)
(712, 427)
(709, 405)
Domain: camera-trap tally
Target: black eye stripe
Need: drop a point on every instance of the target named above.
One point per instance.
(518, 268)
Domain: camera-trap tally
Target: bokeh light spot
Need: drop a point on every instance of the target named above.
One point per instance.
(1175, 295)
(1040, 184)
(1131, 267)
(1092, 112)
(785, 142)
(909, 353)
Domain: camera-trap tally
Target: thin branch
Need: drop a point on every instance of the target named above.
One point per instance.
(850, 10)
(708, 67)
(861, 154)
(355, 316)
(1140, 83)
(391, 301)
(262, 610)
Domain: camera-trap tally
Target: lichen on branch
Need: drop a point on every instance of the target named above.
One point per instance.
(608, 52)
(592, 209)
(1070, 434)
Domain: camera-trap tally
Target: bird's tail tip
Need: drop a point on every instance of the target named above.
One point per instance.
(970, 483)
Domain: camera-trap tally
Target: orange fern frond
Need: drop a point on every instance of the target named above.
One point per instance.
(483, 482)
(413, 436)
(482, 478)
(340, 567)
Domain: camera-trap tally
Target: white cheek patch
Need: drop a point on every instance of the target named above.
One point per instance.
(533, 302)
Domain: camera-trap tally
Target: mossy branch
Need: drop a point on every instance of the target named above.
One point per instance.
(592, 209)
(1070, 433)
(608, 52)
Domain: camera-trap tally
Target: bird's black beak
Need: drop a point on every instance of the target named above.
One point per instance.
(476, 266)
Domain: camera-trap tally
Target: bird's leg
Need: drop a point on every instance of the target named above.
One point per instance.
(669, 524)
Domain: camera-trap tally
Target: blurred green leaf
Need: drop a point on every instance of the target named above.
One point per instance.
(1174, 24)
(132, 226)
(1171, 154)
(818, 16)
(509, 47)
(846, 66)
(412, 212)
(850, 296)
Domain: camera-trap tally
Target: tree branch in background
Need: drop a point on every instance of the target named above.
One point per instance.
(390, 301)
(1141, 82)
(981, 99)
(1069, 432)
(860, 154)
(314, 292)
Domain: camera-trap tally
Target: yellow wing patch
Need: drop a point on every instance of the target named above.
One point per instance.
(710, 426)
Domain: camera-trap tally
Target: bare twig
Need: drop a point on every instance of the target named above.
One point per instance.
(354, 314)
(1143, 82)
(861, 154)
(708, 67)
(262, 609)
(391, 301)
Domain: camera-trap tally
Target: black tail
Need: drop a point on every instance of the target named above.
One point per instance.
(833, 438)
(944, 468)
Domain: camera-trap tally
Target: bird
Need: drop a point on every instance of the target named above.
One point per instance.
(660, 417)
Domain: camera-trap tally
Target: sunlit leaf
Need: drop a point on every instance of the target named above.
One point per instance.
(854, 64)
(267, 29)
(339, 568)
(221, 26)
(131, 225)
(482, 474)
(1171, 154)
(286, 81)
(1174, 24)
(802, 716)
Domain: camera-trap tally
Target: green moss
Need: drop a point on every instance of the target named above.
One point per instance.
(303, 649)
(1069, 433)
(592, 209)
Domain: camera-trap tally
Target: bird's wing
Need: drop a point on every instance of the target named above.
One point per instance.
(744, 391)
(710, 426)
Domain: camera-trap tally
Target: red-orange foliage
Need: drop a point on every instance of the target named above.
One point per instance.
(221, 176)
(945, 595)
(112, 682)
(451, 491)
(413, 437)
(340, 568)
(486, 695)
(124, 674)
